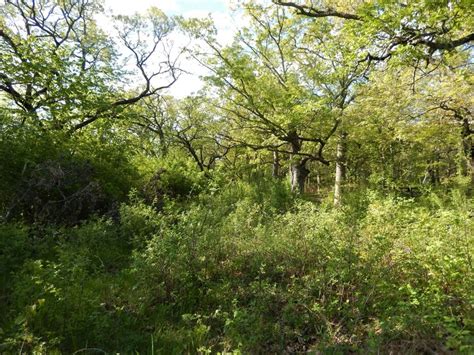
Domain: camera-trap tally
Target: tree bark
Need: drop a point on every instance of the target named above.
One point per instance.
(468, 146)
(299, 173)
(276, 165)
(298, 170)
(340, 169)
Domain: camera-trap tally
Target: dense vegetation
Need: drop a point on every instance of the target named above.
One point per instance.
(315, 196)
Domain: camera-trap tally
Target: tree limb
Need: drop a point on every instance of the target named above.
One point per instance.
(311, 11)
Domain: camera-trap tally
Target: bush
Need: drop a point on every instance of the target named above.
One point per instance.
(59, 179)
(58, 192)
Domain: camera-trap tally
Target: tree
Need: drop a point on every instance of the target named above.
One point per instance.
(275, 100)
(421, 28)
(190, 124)
(403, 138)
(425, 36)
(452, 100)
(60, 70)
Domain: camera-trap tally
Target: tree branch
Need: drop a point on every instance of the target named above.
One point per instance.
(310, 11)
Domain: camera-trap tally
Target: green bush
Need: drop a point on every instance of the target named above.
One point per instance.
(59, 179)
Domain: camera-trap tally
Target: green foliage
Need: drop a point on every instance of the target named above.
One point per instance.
(27, 150)
(60, 301)
(246, 269)
(58, 180)
(14, 249)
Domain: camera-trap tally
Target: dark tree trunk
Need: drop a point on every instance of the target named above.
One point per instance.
(164, 147)
(276, 165)
(468, 147)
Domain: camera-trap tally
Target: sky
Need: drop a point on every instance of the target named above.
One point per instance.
(171, 7)
(220, 10)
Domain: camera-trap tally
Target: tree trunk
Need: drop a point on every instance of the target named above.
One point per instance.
(298, 170)
(468, 148)
(318, 183)
(276, 165)
(471, 162)
(164, 147)
(299, 173)
(340, 169)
